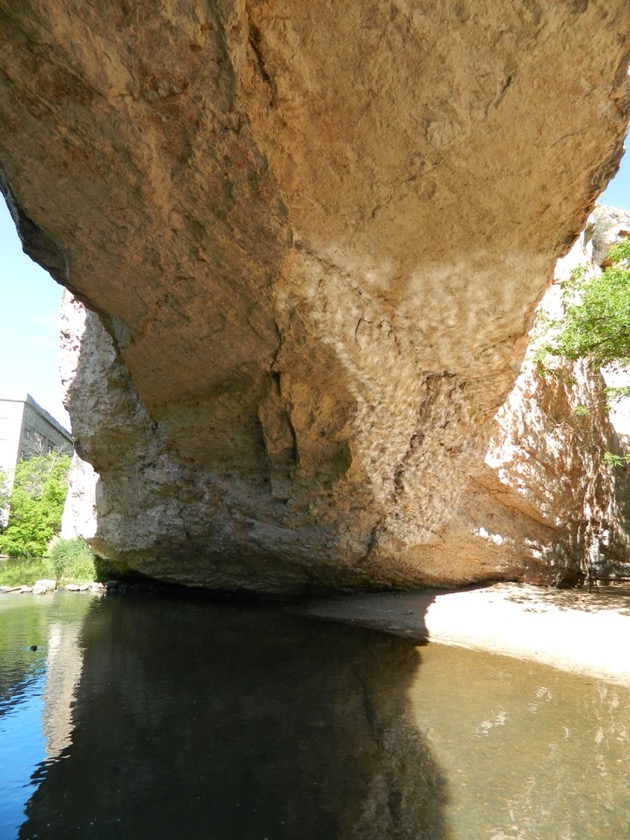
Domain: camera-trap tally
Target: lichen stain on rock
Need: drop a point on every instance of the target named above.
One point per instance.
(311, 241)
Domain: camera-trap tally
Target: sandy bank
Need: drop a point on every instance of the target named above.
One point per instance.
(587, 633)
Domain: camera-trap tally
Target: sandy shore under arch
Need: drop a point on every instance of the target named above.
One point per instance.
(574, 630)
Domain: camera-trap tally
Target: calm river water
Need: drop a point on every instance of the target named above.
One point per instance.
(164, 716)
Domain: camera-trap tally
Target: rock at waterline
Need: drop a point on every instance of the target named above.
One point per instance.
(45, 585)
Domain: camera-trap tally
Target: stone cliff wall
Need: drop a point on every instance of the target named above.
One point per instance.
(566, 506)
(311, 242)
(541, 506)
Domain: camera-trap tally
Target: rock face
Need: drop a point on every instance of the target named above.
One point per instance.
(311, 241)
(557, 504)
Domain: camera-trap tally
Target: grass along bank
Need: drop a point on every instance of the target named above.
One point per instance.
(69, 561)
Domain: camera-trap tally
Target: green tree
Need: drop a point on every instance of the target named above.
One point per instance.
(596, 323)
(5, 495)
(39, 490)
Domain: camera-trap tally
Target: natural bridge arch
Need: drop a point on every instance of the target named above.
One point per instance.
(313, 238)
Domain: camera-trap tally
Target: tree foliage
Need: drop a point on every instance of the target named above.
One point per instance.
(5, 496)
(596, 323)
(36, 504)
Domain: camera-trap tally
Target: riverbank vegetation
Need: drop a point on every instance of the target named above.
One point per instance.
(35, 500)
(73, 561)
(67, 561)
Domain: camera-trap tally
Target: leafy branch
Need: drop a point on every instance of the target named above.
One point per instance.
(596, 322)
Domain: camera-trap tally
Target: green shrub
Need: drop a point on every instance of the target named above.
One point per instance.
(73, 561)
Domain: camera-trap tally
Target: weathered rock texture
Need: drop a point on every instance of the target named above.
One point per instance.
(557, 505)
(313, 237)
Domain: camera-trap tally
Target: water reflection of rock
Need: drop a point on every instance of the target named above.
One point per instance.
(63, 671)
(26, 622)
(198, 720)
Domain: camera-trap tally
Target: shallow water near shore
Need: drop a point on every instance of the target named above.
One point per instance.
(168, 715)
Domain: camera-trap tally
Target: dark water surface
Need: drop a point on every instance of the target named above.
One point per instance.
(165, 716)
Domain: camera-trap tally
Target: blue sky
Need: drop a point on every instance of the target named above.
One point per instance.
(617, 193)
(29, 332)
(29, 324)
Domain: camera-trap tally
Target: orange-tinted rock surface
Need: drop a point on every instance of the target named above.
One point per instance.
(312, 237)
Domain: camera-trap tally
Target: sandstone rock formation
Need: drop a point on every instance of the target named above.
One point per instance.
(557, 505)
(311, 240)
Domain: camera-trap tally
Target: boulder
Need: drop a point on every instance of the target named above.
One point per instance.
(41, 587)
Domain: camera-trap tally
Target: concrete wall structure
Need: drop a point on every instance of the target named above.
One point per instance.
(26, 429)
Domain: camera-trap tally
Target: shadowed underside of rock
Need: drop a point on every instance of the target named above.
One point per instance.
(311, 237)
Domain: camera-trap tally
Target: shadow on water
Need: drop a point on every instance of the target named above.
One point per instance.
(198, 719)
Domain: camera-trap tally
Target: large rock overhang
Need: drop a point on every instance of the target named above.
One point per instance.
(313, 237)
